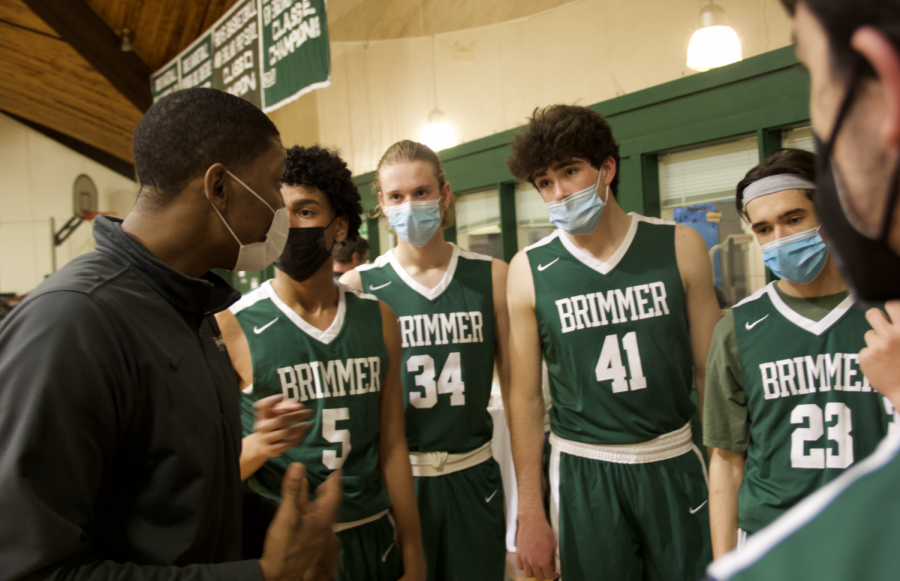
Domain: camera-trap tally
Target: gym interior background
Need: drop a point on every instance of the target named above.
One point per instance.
(686, 137)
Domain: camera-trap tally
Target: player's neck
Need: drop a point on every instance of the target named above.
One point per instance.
(609, 234)
(433, 256)
(314, 299)
(829, 282)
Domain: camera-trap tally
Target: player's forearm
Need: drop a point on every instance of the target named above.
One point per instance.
(252, 458)
(527, 416)
(394, 460)
(726, 471)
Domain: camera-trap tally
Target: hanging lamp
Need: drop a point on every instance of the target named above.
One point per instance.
(438, 134)
(714, 44)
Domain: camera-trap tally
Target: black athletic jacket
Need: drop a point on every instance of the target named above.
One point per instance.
(120, 431)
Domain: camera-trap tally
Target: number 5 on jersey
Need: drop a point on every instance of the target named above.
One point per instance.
(330, 418)
(450, 381)
(609, 366)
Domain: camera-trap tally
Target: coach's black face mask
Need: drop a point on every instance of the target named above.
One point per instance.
(305, 252)
(868, 264)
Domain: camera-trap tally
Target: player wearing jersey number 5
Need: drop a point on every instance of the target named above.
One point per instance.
(787, 407)
(452, 310)
(337, 351)
(622, 308)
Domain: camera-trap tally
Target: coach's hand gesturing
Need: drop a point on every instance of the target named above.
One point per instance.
(301, 531)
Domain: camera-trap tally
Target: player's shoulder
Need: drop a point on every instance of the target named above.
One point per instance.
(755, 297)
(379, 262)
(251, 298)
(725, 327)
(543, 243)
(356, 294)
(651, 221)
(469, 255)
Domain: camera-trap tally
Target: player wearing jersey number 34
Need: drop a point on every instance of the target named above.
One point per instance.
(451, 306)
(303, 339)
(622, 309)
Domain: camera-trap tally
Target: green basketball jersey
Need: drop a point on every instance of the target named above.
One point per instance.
(337, 373)
(615, 336)
(846, 530)
(448, 349)
(812, 411)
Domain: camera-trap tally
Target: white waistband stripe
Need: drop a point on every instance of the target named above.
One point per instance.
(441, 463)
(665, 447)
(343, 526)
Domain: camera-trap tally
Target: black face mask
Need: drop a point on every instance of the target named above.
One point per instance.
(870, 267)
(305, 252)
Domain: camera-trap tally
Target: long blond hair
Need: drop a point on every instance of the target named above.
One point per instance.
(407, 151)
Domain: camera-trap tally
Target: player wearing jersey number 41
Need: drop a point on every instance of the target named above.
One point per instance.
(622, 309)
(306, 340)
(451, 306)
(787, 406)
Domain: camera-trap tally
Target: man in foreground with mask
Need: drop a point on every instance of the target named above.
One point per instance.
(848, 529)
(787, 408)
(302, 337)
(119, 419)
(622, 308)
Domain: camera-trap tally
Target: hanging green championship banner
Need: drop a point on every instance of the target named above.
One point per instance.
(195, 64)
(295, 50)
(236, 43)
(269, 52)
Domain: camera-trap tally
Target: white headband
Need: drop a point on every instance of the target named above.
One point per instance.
(775, 184)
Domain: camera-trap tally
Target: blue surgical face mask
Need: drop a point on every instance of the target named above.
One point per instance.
(579, 213)
(415, 222)
(798, 258)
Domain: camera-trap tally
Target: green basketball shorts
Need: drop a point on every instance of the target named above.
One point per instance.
(630, 521)
(463, 526)
(370, 552)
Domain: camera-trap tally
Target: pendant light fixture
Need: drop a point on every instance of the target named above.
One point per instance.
(438, 134)
(714, 44)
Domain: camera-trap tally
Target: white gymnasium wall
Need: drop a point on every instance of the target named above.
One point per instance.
(36, 178)
(490, 78)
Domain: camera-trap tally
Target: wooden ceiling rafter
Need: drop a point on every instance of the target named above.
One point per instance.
(98, 44)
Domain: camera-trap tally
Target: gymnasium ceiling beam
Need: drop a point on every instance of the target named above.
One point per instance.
(81, 27)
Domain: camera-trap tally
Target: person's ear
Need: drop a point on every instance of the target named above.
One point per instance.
(446, 195)
(214, 186)
(341, 228)
(875, 47)
(609, 170)
(381, 202)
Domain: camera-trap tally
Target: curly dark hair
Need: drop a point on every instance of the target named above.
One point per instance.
(559, 133)
(324, 169)
(782, 162)
(184, 133)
